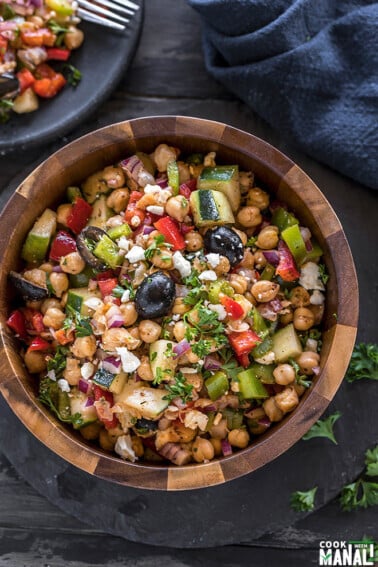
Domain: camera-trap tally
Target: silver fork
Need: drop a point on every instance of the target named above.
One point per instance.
(113, 14)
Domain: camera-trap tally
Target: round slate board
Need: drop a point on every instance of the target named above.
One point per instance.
(103, 60)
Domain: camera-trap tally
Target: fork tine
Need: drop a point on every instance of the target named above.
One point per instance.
(90, 17)
(128, 4)
(115, 6)
(94, 8)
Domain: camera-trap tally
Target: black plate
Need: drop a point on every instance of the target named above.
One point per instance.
(103, 60)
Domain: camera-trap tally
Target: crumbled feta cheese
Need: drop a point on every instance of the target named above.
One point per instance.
(64, 385)
(125, 296)
(135, 221)
(51, 374)
(194, 419)
(219, 310)
(124, 449)
(188, 370)
(124, 243)
(310, 277)
(161, 195)
(181, 264)
(268, 358)
(87, 370)
(155, 210)
(176, 316)
(208, 275)
(136, 254)
(312, 345)
(213, 259)
(93, 303)
(317, 298)
(130, 362)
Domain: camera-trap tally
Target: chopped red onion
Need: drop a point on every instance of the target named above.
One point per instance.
(131, 165)
(211, 363)
(179, 403)
(182, 347)
(316, 370)
(265, 422)
(162, 182)
(276, 305)
(272, 257)
(305, 233)
(36, 3)
(114, 317)
(89, 402)
(138, 378)
(210, 407)
(57, 269)
(185, 228)
(83, 385)
(226, 448)
(148, 229)
(308, 245)
(111, 364)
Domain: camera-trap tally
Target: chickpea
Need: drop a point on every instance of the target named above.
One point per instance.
(118, 199)
(254, 416)
(209, 159)
(84, 347)
(36, 276)
(149, 331)
(286, 318)
(179, 330)
(284, 374)
(307, 361)
(318, 312)
(220, 430)
(106, 441)
(73, 38)
(162, 258)
(260, 260)
(129, 313)
(272, 410)
(202, 450)
(238, 283)
(144, 369)
(246, 179)
(137, 446)
(91, 431)
(299, 297)
(248, 259)
(265, 290)
(35, 361)
(303, 319)
(258, 198)
(72, 371)
(238, 438)
(287, 400)
(134, 339)
(54, 318)
(162, 155)
(179, 307)
(164, 436)
(34, 305)
(184, 173)
(195, 380)
(249, 216)
(113, 176)
(113, 338)
(49, 303)
(46, 267)
(193, 241)
(59, 283)
(185, 434)
(62, 213)
(268, 237)
(191, 356)
(299, 389)
(72, 263)
(216, 443)
(223, 267)
(177, 207)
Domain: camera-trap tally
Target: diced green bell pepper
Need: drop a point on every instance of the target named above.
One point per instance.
(262, 348)
(173, 176)
(264, 372)
(259, 325)
(118, 231)
(268, 272)
(217, 287)
(108, 251)
(282, 218)
(293, 238)
(234, 418)
(250, 386)
(217, 385)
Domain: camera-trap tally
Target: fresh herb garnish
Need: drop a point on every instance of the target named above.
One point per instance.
(202, 347)
(58, 363)
(56, 28)
(251, 241)
(229, 364)
(362, 493)
(5, 108)
(150, 251)
(323, 428)
(363, 363)
(72, 74)
(50, 394)
(74, 320)
(301, 379)
(303, 501)
(179, 389)
(323, 274)
(371, 461)
(119, 289)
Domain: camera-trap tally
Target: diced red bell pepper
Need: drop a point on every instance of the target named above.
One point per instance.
(107, 286)
(16, 321)
(44, 71)
(286, 267)
(243, 360)
(49, 87)
(79, 215)
(244, 342)
(233, 308)
(135, 196)
(132, 214)
(105, 275)
(39, 344)
(187, 187)
(99, 394)
(25, 78)
(57, 54)
(37, 322)
(62, 245)
(168, 227)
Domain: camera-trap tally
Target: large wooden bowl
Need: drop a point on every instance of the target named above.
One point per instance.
(73, 163)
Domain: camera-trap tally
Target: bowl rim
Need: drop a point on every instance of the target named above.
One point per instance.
(266, 447)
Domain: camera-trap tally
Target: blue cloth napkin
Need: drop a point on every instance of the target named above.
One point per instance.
(308, 67)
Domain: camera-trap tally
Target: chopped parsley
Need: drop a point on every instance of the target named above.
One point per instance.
(323, 428)
(362, 493)
(303, 501)
(371, 461)
(179, 389)
(251, 241)
(150, 251)
(363, 363)
(58, 363)
(301, 379)
(74, 320)
(323, 274)
(72, 74)
(5, 107)
(119, 289)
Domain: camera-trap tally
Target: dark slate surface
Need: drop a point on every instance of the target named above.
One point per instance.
(167, 77)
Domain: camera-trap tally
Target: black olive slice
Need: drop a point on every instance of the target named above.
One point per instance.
(223, 240)
(144, 425)
(29, 290)
(88, 234)
(155, 296)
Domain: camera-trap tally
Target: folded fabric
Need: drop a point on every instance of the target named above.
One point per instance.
(308, 67)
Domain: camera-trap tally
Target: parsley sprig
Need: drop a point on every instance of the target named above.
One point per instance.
(323, 428)
(323, 274)
(179, 389)
(363, 363)
(303, 501)
(197, 290)
(300, 379)
(151, 250)
(59, 361)
(74, 320)
(72, 74)
(362, 493)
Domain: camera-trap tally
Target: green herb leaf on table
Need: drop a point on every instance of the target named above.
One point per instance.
(359, 494)
(323, 428)
(303, 501)
(371, 461)
(363, 363)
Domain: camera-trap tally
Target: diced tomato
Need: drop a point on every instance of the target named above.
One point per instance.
(44, 71)
(39, 344)
(168, 227)
(79, 215)
(107, 286)
(132, 215)
(64, 337)
(48, 88)
(37, 322)
(16, 321)
(134, 197)
(105, 275)
(38, 38)
(100, 394)
(25, 78)
(62, 245)
(57, 54)
(244, 342)
(286, 267)
(233, 308)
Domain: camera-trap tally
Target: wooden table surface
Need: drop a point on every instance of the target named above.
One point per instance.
(168, 77)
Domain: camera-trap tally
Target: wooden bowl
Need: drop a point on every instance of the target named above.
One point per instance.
(45, 186)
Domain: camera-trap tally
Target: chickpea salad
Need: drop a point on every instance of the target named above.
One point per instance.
(171, 309)
(36, 36)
